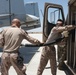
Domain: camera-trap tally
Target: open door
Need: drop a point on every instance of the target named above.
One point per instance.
(52, 12)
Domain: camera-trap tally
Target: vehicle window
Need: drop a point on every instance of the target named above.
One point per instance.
(53, 15)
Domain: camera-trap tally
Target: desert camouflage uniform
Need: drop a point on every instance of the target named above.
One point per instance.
(48, 53)
(13, 37)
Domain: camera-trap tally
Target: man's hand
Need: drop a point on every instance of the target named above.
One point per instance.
(37, 41)
(65, 33)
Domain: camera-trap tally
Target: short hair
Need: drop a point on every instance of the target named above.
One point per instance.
(15, 20)
(60, 20)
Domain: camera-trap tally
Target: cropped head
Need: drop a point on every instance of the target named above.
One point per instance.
(16, 22)
(59, 22)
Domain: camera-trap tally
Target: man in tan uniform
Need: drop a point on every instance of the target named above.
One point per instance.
(13, 37)
(48, 52)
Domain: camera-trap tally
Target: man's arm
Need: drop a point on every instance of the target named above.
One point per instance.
(31, 39)
(65, 28)
(70, 27)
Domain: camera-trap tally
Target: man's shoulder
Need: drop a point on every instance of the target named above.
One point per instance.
(54, 27)
(23, 31)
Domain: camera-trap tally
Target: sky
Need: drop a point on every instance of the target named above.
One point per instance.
(41, 3)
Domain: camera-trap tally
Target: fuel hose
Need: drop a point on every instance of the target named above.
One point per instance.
(44, 44)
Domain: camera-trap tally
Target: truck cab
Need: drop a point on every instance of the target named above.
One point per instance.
(53, 12)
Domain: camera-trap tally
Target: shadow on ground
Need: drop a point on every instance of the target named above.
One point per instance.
(27, 53)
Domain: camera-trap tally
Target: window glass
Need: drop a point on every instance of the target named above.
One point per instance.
(54, 14)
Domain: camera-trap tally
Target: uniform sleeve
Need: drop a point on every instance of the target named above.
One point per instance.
(30, 39)
(64, 28)
(59, 29)
(2, 38)
(70, 27)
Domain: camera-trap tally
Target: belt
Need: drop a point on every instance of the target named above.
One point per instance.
(11, 52)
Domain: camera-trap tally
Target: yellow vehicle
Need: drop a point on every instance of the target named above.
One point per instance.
(53, 12)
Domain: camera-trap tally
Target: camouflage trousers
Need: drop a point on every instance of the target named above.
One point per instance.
(48, 53)
(10, 59)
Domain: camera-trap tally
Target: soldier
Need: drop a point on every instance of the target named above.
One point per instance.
(48, 52)
(13, 37)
